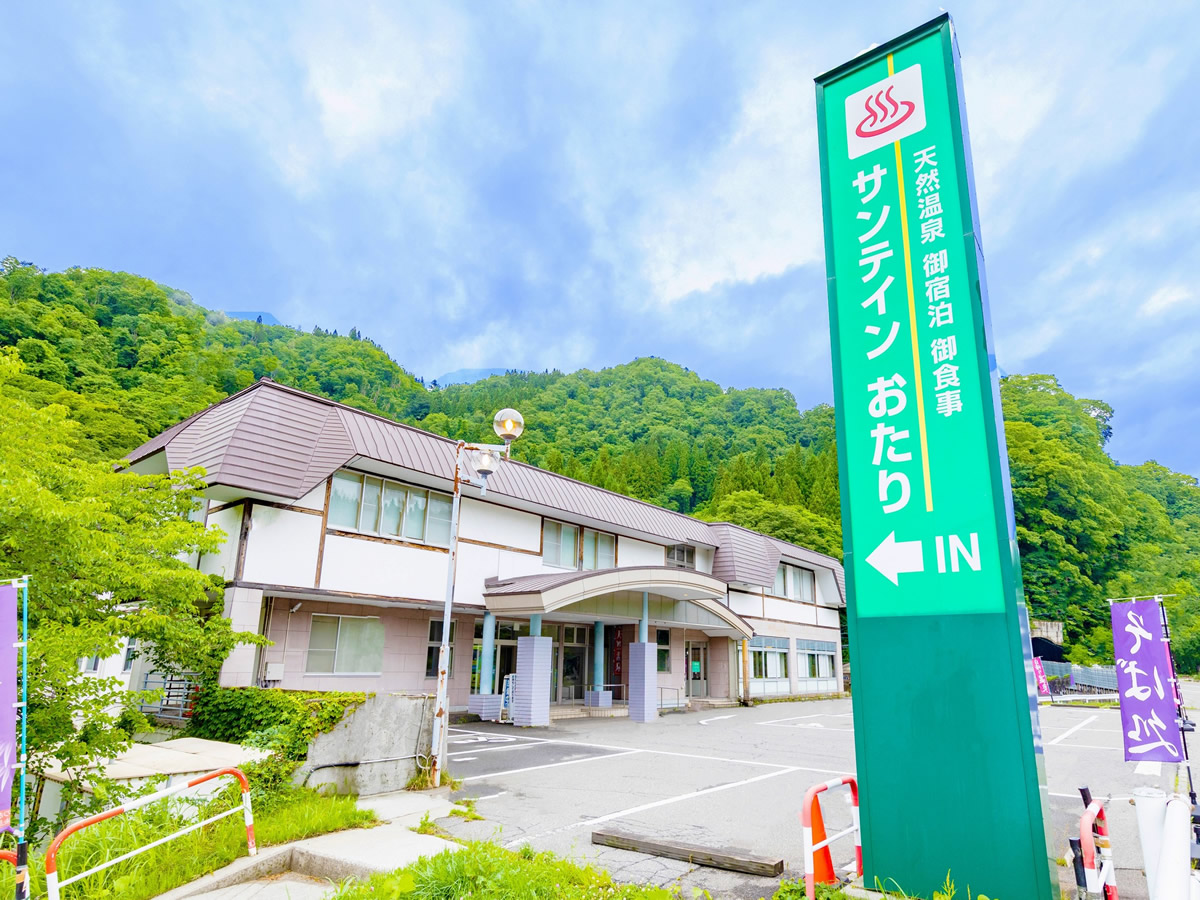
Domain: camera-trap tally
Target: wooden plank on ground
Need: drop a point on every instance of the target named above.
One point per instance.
(702, 856)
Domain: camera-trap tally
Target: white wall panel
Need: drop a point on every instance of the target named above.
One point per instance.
(372, 567)
(631, 552)
(481, 521)
(745, 604)
(314, 499)
(789, 611)
(222, 563)
(704, 560)
(282, 547)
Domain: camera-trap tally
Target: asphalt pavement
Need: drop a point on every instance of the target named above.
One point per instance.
(734, 779)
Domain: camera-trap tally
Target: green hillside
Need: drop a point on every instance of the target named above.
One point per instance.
(128, 358)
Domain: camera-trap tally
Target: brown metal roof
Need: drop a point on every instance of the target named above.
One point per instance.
(278, 440)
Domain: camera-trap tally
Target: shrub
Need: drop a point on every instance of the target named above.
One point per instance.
(281, 721)
(484, 870)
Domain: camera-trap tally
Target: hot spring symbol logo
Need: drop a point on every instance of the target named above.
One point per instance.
(887, 111)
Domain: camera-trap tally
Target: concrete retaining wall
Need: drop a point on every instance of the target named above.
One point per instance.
(386, 726)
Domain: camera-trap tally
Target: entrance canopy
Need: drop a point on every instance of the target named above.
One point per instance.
(681, 598)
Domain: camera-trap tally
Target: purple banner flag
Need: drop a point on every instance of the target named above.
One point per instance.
(8, 699)
(1144, 681)
(1039, 672)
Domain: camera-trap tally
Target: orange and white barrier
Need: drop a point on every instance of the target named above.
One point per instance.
(1093, 837)
(818, 861)
(9, 856)
(53, 885)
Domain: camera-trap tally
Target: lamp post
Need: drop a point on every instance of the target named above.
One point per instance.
(508, 425)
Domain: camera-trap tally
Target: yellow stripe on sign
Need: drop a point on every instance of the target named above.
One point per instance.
(912, 319)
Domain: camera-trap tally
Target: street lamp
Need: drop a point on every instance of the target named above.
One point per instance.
(508, 425)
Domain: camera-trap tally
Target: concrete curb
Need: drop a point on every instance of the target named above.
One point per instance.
(271, 861)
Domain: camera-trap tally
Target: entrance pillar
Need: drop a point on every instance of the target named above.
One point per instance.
(598, 656)
(643, 681)
(485, 704)
(644, 624)
(535, 626)
(531, 697)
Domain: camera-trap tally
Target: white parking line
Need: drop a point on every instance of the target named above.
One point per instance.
(715, 719)
(1146, 767)
(463, 758)
(569, 762)
(495, 749)
(634, 810)
(1070, 731)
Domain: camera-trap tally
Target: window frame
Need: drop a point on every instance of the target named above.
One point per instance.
(337, 648)
(689, 557)
(403, 524)
(130, 656)
(577, 556)
(431, 658)
(792, 578)
(661, 648)
(596, 535)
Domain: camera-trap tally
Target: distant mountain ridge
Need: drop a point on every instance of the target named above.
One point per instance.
(468, 376)
(252, 316)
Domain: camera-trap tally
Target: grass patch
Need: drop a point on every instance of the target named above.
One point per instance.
(485, 871)
(423, 781)
(468, 810)
(294, 815)
(803, 698)
(427, 826)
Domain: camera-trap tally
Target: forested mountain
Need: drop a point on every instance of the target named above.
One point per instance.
(128, 358)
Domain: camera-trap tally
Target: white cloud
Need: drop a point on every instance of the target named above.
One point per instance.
(1166, 297)
(754, 208)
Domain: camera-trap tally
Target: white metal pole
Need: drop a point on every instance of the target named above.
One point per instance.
(441, 714)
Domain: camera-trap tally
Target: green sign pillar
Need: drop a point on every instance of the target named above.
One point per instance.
(948, 745)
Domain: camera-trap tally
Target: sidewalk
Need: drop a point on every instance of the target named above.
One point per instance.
(311, 869)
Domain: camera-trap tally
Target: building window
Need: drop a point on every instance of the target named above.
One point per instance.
(130, 655)
(345, 645)
(817, 665)
(599, 550)
(663, 639)
(89, 664)
(795, 583)
(435, 648)
(378, 506)
(681, 556)
(560, 545)
(769, 657)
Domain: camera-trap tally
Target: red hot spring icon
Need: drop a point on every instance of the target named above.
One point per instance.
(884, 113)
(888, 110)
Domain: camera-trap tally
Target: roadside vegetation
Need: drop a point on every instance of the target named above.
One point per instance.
(282, 812)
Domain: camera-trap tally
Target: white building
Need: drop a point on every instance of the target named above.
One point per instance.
(338, 525)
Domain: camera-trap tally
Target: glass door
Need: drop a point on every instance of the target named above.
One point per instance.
(695, 655)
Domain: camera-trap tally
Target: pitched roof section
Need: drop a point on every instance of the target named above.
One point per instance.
(277, 440)
(263, 439)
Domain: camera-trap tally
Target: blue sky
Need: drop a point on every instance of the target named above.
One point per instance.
(562, 185)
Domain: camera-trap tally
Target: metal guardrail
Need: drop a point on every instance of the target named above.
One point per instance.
(678, 701)
(177, 696)
(1067, 678)
(53, 885)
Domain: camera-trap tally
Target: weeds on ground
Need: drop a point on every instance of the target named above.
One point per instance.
(428, 826)
(794, 890)
(486, 871)
(468, 810)
(423, 781)
(281, 815)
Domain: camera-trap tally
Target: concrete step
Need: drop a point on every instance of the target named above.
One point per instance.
(288, 886)
(702, 703)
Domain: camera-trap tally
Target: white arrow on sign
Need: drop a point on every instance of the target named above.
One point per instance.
(893, 557)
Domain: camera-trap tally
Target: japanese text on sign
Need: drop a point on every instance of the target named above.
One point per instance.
(1145, 683)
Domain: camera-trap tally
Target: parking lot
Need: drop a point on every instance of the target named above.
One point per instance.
(734, 778)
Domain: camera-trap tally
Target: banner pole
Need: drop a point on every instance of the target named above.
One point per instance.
(22, 867)
(1180, 710)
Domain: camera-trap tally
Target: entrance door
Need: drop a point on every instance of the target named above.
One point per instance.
(695, 655)
(506, 662)
(574, 665)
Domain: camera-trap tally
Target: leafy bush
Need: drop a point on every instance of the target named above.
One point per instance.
(485, 871)
(294, 815)
(282, 721)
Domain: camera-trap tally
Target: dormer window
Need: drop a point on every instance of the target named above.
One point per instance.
(795, 583)
(681, 556)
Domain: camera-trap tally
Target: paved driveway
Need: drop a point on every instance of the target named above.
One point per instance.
(734, 779)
